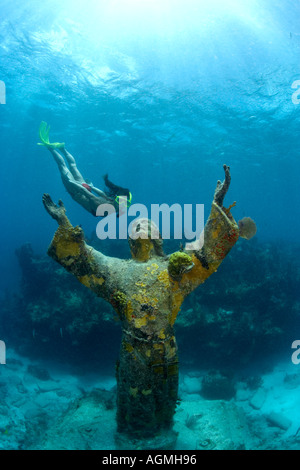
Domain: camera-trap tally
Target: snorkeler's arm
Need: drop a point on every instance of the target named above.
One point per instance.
(203, 257)
(68, 248)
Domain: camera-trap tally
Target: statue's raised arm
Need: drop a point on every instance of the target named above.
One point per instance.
(205, 255)
(68, 248)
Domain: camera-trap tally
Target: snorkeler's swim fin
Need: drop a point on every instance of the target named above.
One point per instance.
(44, 136)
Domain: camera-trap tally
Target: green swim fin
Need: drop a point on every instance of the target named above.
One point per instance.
(44, 136)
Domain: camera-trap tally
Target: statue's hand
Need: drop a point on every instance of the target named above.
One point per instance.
(222, 188)
(57, 212)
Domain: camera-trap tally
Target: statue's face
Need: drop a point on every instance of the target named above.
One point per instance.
(143, 239)
(142, 249)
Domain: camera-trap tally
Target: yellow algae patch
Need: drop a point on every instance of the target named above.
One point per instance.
(140, 284)
(133, 391)
(148, 353)
(170, 351)
(142, 253)
(151, 317)
(146, 392)
(85, 280)
(67, 242)
(97, 280)
(143, 298)
(139, 322)
(128, 347)
(65, 248)
(91, 280)
(163, 277)
(216, 232)
(129, 311)
(198, 274)
(68, 262)
(178, 298)
(155, 266)
(162, 334)
(143, 321)
(158, 347)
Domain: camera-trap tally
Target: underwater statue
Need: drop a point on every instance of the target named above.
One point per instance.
(147, 292)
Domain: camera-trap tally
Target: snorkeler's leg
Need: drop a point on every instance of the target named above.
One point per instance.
(64, 171)
(78, 176)
(85, 198)
(73, 166)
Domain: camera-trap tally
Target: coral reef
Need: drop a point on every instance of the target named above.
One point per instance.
(247, 228)
(179, 263)
(248, 312)
(241, 315)
(52, 308)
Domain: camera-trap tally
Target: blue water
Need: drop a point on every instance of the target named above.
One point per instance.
(159, 94)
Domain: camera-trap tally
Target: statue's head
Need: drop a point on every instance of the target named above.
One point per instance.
(145, 240)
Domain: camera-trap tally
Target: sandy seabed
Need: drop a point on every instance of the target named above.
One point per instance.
(46, 406)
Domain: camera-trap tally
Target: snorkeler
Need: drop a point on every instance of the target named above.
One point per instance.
(83, 192)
